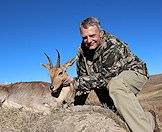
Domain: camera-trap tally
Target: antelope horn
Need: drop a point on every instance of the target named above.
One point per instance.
(49, 60)
(58, 59)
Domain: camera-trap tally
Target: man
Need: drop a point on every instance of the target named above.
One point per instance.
(106, 62)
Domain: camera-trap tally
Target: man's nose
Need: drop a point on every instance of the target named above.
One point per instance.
(89, 39)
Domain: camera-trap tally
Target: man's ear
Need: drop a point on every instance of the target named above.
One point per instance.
(47, 66)
(101, 33)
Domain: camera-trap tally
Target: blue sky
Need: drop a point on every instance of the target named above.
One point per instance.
(28, 28)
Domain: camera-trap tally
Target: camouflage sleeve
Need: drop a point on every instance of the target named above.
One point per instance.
(87, 83)
(83, 81)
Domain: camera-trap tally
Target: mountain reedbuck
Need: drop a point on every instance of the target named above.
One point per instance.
(36, 96)
(58, 75)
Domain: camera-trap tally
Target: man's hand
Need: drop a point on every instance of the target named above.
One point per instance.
(67, 81)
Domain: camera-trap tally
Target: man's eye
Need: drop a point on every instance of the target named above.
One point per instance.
(92, 36)
(84, 38)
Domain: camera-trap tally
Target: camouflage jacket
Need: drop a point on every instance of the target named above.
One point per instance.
(96, 68)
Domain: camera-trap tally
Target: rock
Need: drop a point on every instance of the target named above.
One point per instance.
(72, 119)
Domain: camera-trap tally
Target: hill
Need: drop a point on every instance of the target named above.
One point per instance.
(151, 96)
(78, 118)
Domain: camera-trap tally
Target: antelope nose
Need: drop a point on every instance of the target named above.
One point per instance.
(51, 87)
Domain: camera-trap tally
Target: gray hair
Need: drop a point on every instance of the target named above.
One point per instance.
(90, 21)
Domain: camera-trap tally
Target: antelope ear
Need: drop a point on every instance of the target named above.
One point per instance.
(70, 62)
(47, 66)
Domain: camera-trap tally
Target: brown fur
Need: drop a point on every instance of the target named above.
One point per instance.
(34, 96)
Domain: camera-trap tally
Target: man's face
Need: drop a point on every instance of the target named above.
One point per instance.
(91, 37)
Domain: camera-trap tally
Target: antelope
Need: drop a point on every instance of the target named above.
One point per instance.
(38, 96)
(58, 75)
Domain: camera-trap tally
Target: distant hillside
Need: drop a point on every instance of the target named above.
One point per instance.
(151, 96)
(154, 80)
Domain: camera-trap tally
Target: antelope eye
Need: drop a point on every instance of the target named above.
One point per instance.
(60, 73)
